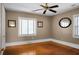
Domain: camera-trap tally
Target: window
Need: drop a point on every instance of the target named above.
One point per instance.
(76, 26)
(27, 26)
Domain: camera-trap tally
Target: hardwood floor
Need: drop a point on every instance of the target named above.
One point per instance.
(42, 48)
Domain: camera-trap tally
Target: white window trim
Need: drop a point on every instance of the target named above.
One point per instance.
(74, 28)
(27, 34)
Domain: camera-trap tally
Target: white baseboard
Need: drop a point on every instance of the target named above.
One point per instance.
(44, 40)
(27, 42)
(73, 45)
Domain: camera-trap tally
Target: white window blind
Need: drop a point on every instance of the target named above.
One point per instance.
(27, 26)
(76, 26)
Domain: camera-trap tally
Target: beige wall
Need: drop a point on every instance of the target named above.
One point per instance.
(12, 33)
(50, 26)
(64, 34)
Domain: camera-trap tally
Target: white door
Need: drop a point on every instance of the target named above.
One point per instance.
(2, 27)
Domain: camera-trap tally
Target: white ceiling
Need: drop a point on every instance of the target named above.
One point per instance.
(29, 7)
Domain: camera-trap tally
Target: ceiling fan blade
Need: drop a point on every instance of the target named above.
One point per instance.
(42, 6)
(37, 9)
(44, 11)
(52, 10)
(54, 6)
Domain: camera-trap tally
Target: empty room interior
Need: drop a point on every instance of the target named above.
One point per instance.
(39, 28)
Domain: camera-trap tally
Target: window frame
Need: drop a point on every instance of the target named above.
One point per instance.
(74, 35)
(27, 30)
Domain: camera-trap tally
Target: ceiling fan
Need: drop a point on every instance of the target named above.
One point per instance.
(46, 7)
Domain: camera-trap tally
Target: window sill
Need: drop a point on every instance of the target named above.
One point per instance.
(27, 35)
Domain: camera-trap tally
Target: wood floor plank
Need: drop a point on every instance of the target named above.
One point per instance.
(42, 48)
